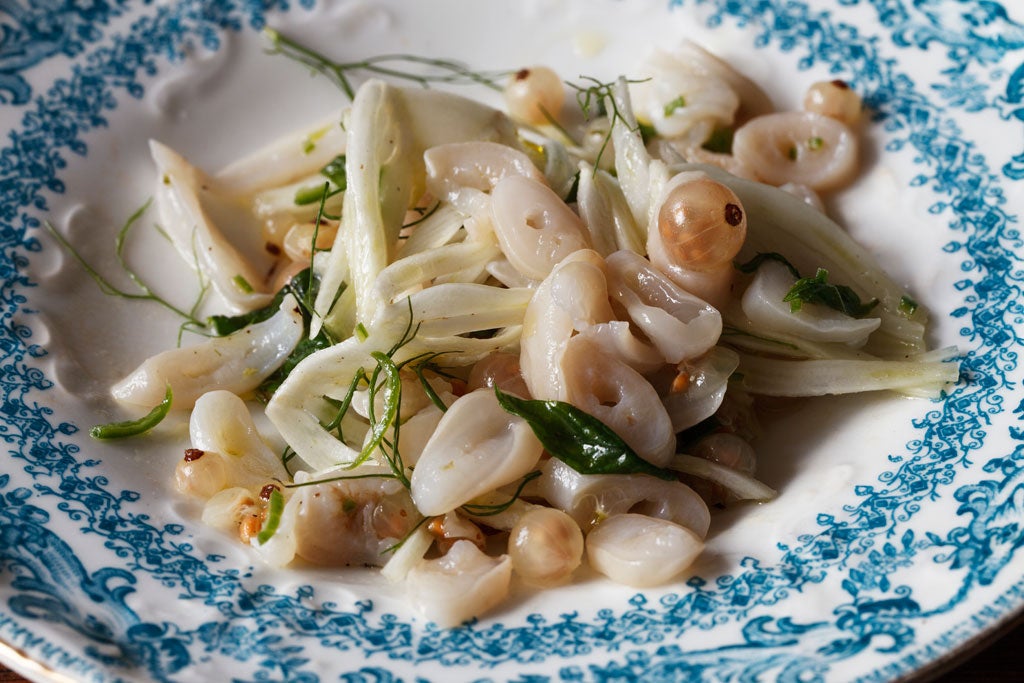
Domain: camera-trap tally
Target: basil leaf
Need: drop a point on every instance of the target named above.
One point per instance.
(299, 285)
(813, 290)
(121, 430)
(818, 290)
(579, 439)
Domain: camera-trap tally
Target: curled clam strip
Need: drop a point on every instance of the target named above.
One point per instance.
(534, 227)
(619, 396)
(589, 498)
(572, 297)
(476, 448)
(460, 584)
(184, 199)
(765, 306)
(350, 521)
(238, 362)
(798, 147)
(221, 423)
(684, 95)
(679, 324)
(704, 382)
(641, 551)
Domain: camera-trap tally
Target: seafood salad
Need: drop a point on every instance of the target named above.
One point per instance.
(495, 344)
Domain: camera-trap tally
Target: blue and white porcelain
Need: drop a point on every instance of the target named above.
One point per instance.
(895, 541)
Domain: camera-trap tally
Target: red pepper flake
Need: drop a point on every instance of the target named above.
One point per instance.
(267, 490)
(193, 454)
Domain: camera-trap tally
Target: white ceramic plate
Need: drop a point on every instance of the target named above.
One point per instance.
(894, 541)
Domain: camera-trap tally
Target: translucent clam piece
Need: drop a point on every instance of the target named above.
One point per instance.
(684, 97)
(462, 584)
(238, 362)
(704, 382)
(619, 396)
(678, 323)
(479, 166)
(534, 227)
(476, 448)
(641, 551)
(351, 522)
(798, 147)
(572, 297)
(763, 304)
(588, 498)
(222, 427)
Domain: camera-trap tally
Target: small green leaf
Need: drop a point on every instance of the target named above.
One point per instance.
(335, 172)
(677, 103)
(579, 439)
(242, 284)
(908, 306)
(818, 290)
(121, 430)
(720, 141)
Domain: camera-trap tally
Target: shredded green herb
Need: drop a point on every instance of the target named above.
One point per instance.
(720, 141)
(498, 508)
(424, 71)
(907, 305)
(121, 430)
(818, 290)
(677, 103)
(337, 183)
(242, 284)
(275, 506)
(815, 143)
(145, 292)
(813, 290)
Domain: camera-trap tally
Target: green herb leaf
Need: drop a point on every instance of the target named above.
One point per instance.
(818, 290)
(392, 398)
(121, 430)
(762, 256)
(907, 305)
(335, 172)
(677, 103)
(720, 141)
(498, 508)
(300, 284)
(242, 284)
(815, 143)
(579, 439)
(274, 509)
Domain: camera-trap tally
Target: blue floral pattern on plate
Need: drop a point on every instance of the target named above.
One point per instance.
(272, 635)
